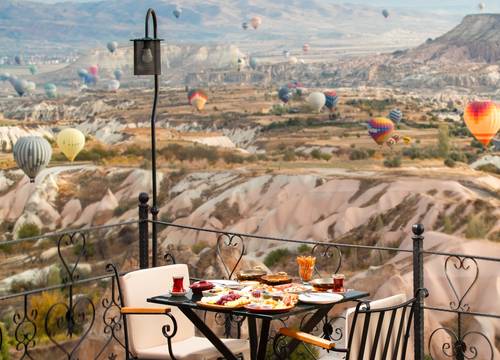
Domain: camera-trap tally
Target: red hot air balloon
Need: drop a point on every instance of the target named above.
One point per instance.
(94, 70)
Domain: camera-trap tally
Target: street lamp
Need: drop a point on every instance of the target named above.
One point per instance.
(147, 61)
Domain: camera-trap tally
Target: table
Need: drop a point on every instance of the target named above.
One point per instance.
(187, 305)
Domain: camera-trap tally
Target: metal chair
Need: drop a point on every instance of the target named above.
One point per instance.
(374, 333)
(153, 332)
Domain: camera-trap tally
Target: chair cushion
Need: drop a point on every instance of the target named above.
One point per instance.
(145, 331)
(194, 348)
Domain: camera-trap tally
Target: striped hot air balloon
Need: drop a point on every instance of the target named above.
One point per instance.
(332, 99)
(32, 154)
(306, 47)
(483, 120)
(396, 116)
(256, 21)
(198, 98)
(380, 129)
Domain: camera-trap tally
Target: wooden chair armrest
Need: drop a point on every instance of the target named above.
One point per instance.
(144, 311)
(308, 338)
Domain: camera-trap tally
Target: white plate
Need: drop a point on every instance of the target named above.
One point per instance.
(226, 283)
(320, 298)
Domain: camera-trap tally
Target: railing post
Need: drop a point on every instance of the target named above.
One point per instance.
(418, 283)
(143, 231)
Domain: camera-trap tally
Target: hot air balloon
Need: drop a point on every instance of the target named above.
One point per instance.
(396, 116)
(198, 98)
(113, 85)
(241, 64)
(94, 70)
(71, 142)
(293, 60)
(20, 85)
(481, 6)
(316, 100)
(244, 26)
(407, 140)
(32, 154)
(331, 99)
(380, 129)
(18, 59)
(82, 74)
(33, 69)
(177, 12)
(253, 63)
(118, 74)
(385, 13)
(286, 53)
(50, 90)
(30, 87)
(285, 94)
(391, 142)
(483, 120)
(4, 76)
(112, 46)
(305, 47)
(256, 21)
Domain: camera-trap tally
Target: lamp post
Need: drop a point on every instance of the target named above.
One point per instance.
(147, 61)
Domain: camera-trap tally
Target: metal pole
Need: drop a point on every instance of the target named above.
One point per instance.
(154, 208)
(418, 283)
(143, 231)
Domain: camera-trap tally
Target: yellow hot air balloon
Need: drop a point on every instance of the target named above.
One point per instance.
(71, 142)
(483, 120)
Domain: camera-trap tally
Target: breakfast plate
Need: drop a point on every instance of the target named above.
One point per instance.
(320, 298)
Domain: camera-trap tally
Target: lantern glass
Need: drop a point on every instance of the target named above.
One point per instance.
(147, 56)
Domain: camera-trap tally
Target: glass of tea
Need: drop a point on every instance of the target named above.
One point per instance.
(338, 282)
(178, 286)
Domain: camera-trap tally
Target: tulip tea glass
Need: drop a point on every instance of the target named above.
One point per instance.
(338, 282)
(178, 284)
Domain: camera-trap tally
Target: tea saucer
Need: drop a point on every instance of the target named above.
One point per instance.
(181, 293)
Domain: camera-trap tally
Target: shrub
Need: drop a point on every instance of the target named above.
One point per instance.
(449, 162)
(477, 227)
(393, 162)
(95, 154)
(275, 256)
(43, 302)
(316, 154)
(4, 348)
(489, 168)
(28, 230)
(326, 156)
(233, 158)
(289, 155)
(304, 249)
(443, 140)
(360, 154)
(197, 247)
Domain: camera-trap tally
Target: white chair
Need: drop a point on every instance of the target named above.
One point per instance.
(145, 337)
(367, 333)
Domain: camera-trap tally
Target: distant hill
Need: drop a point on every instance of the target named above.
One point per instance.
(475, 39)
(36, 26)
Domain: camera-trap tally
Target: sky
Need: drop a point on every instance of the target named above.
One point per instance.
(451, 6)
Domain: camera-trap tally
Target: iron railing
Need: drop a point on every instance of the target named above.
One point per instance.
(85, 313)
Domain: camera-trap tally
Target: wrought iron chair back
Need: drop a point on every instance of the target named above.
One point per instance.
(380, 333)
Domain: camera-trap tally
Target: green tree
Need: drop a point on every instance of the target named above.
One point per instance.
(443, 140)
